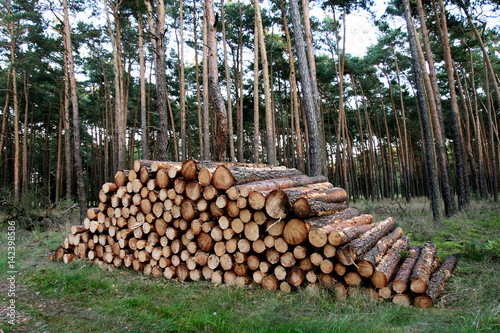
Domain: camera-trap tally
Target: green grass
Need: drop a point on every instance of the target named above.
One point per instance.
(81, 297)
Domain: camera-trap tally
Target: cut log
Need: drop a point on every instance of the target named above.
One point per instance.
(251, 231)
(349, 253)
(144, 175)
(270, 282)
(402, 278)
(423, 268)
(295, 276)
(225, 177)
(162, 179)
(387, 264)
(179, 185)
(296, 231)
(109, 187)
(189, 170)
(121, 177)
(257, 200)
(205, 176)
(401, 299)
(277, 204)
(205, 242)
(209, 192)
(285, 287)
(193, 190)
(303, 207)
(353, 279)
(368, 261)
(437, 283)
(320, 236)
(279, 183)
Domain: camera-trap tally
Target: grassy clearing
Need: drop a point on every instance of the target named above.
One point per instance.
(80, 297)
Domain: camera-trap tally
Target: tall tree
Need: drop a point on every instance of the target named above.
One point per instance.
(182, 94)
(15, 105)
(156, 23)
(144, 121)
(317, 152)
(213, 83)
(434, 99)
(120, 107)
(228, 84)
(82, 195)
(460, 162)
(424, 116)
(270, 133)
(206, 98)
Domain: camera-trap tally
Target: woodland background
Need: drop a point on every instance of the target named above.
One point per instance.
(88, 87)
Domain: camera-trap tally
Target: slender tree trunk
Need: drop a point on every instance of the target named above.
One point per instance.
(76, 120)
(120, 108)
(59, 148)
(434, 99)
(213, 83)
(310, 51)
(431, 167)
(461, 170)
(293, 92)
(313, 115)
(25, 139)
(182, 94)
(206, 102)
(5, 115)
(491, 142)
(144, 122)
(228, 86)
(239, 83)
(15, 104)
(256, 100)
(270, 135)
(157, 28)
(198, 93)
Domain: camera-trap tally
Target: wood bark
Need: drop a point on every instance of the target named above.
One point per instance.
(423, 268)
(369, 260)
(296, 231)
(387, 264)
(350, 252)
(320, 236)
(82, 195)
(317, 155)
(437, 283)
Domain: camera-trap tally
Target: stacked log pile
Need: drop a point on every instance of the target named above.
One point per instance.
(250, 223)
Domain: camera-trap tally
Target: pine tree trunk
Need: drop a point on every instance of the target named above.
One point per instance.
(213, 83)
(462, 180)
(82, 197)
(228, 87)
(196, 63)
(144, 123)
(317, 157)
(206, 102)
(270, 134)
(182, 94)
(256, 131)
(431, 167)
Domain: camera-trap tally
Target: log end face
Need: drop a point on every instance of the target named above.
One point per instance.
(277, 204)
(318, 238)
(379, 280)
(418, 286)
(222, 178)
(295, 232)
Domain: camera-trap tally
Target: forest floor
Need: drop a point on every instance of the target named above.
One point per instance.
(81, 297)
